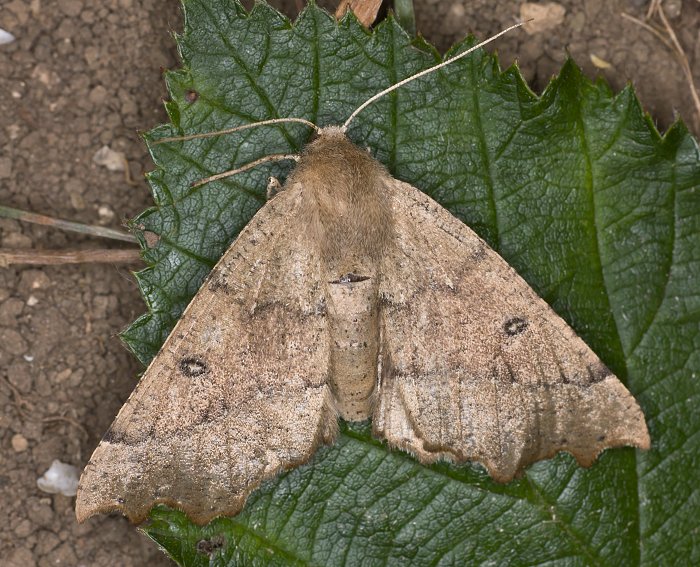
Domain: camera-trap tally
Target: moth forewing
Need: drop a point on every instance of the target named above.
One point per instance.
(351, 294)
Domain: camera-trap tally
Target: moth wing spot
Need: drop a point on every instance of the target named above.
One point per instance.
(350, 278)
(193, 367)
(515, 326)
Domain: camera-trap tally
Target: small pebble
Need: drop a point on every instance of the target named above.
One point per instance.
(107, 157)
(6, 37)
(61, 478)
(106, 214)
(540, 18)
(19, 443)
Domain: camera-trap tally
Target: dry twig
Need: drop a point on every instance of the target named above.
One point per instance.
(683, 59)
(43, 257)
(69, 420)
(19, 402)
(101, 231)
(668, 36)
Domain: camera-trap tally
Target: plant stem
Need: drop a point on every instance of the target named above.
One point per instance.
(104, 232)
(43, 257)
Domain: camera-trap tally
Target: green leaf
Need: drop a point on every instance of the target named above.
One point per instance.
(575, 188)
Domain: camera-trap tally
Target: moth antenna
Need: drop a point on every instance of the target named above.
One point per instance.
(246, 167)
(425, 72)
(237, 129)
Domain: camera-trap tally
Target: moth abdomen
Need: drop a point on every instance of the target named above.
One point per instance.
(354, 330)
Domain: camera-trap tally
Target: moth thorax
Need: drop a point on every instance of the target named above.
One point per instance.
(354, 328)
(345, 206)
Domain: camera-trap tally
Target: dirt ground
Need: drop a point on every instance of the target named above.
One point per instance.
(85, 74)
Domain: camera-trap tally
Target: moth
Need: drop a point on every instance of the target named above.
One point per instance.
(353, 295)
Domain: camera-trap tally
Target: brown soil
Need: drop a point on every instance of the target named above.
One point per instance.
(82, 75)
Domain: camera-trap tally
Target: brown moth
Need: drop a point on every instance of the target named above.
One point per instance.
(351, 294)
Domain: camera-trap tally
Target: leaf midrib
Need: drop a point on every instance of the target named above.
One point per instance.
(590, 190)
